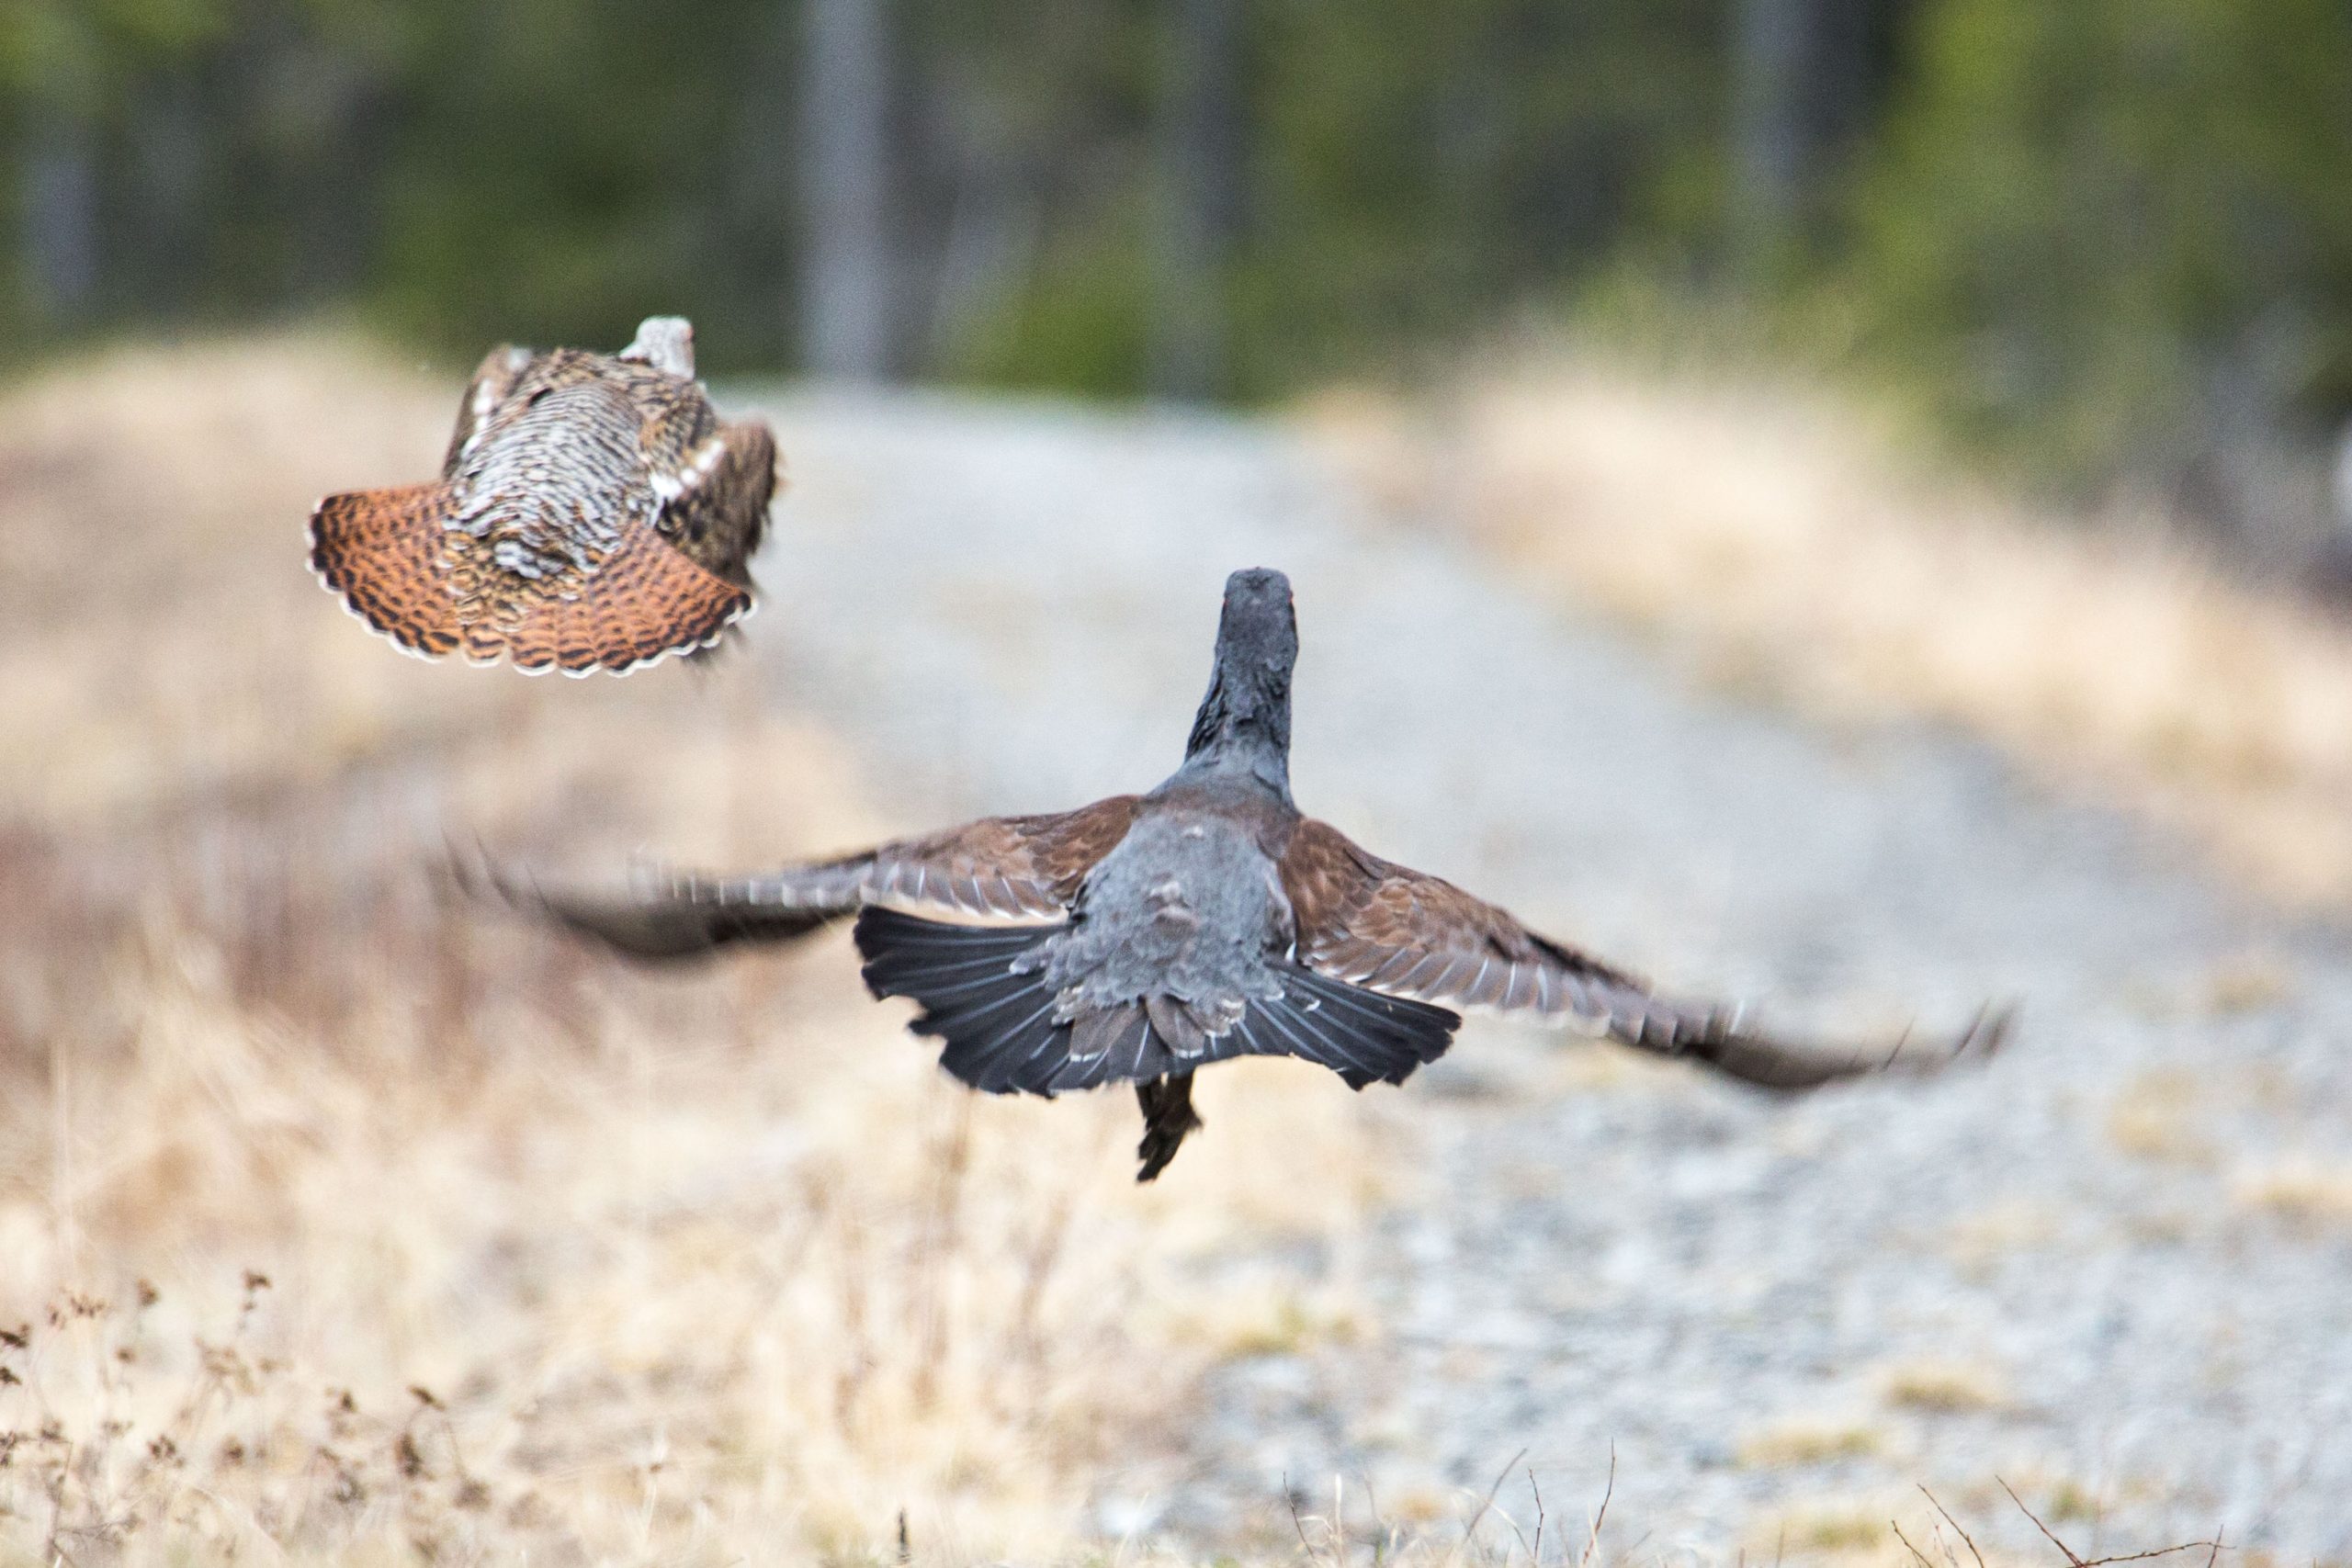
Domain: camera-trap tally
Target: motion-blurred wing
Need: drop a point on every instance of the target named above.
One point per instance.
(1021, 868)
(1393, 930)
(495, 377)
(1001, 868)
(685, 916)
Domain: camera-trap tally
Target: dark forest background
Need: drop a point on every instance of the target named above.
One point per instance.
(2105, 241)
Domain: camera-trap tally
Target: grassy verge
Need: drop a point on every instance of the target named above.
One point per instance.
(343, 1223)
(1787, 548)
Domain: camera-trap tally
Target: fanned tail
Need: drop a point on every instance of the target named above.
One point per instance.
(1000, 1033)
(645, 599)
(998, 1025)
(393, 556)
(1363, 1036)
(995, 1016)
(380, 550)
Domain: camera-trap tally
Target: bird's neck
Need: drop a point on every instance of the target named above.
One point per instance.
(1241, 732)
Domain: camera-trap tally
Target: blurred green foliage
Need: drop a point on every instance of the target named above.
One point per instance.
(2097, 231)
(2090, 234)
(1417, 166)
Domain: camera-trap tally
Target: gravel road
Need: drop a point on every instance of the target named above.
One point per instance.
(2115, 1267)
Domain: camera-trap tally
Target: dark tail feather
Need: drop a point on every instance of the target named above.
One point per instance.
(1001, 1034)
(1118, 1045)
(1362, 1035)
(998, 1025)
(1167, 1118)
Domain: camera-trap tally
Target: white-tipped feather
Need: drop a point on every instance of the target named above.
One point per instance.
(554, 463)
(733, 619)
(344, 598)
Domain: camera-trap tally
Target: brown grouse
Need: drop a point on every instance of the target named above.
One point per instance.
(592, 512)
(1144, 937)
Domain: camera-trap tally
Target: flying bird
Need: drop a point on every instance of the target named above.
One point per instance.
(1144, 937)
(592, 512)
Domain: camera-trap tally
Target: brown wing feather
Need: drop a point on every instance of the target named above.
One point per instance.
(1001, 867)
(721, 512)
(711, 481)
(684, 916)
(673, 413)
(1017, 868)
(1390, 928)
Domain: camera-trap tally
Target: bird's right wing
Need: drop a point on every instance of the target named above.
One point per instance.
(1402, 933)
(1024, 869)
(715, 498)
(495, 377)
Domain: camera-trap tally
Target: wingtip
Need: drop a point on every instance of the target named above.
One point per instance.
(1989, 1032)
(471, 873)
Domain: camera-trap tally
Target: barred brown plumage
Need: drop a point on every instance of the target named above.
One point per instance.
(593, 513)
(1145, 937)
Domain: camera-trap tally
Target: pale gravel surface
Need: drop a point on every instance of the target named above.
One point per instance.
(1010, 608)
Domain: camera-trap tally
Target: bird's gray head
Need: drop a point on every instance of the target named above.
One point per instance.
(666, 342)
(1245, 719)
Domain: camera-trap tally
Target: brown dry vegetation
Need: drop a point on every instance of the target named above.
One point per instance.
(347, 1223)
(1789, 546)
(340, 1222)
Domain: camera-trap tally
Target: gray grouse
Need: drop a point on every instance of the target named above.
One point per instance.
(592, 512)
(1142, 938)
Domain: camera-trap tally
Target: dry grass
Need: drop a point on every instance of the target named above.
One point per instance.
(560, 1262)
(1836, 1528)
(1806, 558)
(2311, 1193)
(2161, 1114)
(1974, 1526)
(1943, 1387)
(1806, 1440)
(1979, 1242)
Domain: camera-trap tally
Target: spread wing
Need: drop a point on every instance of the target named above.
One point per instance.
(495, 377)
(1022, 869)
(1393, 930)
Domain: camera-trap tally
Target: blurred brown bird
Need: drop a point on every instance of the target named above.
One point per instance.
(592, 512)
(1144, 937)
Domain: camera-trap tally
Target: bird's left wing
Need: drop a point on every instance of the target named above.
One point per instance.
(1393, 930)
(495, 377)
(1001, 868)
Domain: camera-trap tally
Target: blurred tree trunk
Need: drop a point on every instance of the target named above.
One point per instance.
(1199, 186)
(847, 283)
(60, 214)
(1804, 79)
(985, 244)
(333, 113)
